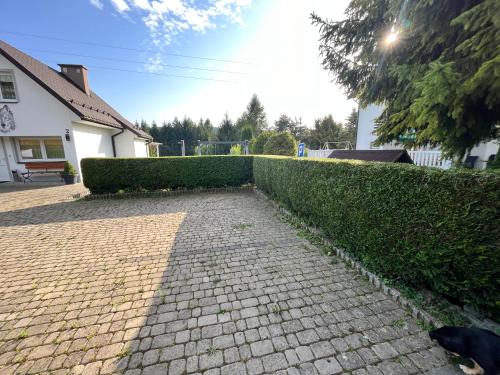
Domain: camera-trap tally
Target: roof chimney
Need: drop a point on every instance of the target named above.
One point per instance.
(78, 75)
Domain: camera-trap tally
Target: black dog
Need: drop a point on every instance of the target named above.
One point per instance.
(480, 345)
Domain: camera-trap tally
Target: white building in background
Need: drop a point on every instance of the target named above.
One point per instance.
(49, 116)
(423, 156)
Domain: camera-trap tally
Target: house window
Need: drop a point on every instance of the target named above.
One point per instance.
(54, 148)
(40, 149)
(30, 149)
(7, 87)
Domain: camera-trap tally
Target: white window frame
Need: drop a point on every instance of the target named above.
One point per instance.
(42, 148)
(16, 91)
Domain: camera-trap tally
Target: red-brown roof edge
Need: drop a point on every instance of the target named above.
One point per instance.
(40, 82)
(64, 101)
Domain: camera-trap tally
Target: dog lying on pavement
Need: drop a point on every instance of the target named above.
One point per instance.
(479, 345)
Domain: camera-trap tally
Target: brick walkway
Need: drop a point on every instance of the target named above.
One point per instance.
(206, 284)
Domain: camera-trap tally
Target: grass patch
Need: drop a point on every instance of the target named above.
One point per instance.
(125, 352)
(399, 323)
(424, 325)
(162, 296)
(211, 350)
(276, 309)
(242, 226)
(23, 334)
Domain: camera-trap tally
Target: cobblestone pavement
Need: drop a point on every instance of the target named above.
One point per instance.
(210, 284)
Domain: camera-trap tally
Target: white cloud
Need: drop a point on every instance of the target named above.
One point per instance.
(154, 64)
(120, 5)
(97, 3)
(142, 4)
(168, 18)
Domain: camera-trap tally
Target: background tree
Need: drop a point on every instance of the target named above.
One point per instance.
(284, 124)
(351, 128)
(293, 126)
(246, 133)
(300, 130)
(153, 129)
(227, 132)
(254, 116)
(326, 129)
(438, 73)
(281, 144)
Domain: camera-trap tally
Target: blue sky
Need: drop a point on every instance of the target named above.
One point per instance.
(274, 39)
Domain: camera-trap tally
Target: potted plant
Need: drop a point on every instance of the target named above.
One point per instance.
(69, 173)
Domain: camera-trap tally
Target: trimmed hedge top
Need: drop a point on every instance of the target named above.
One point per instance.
(108, 175)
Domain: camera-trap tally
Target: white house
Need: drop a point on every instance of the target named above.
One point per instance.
(51, 116)
(423, 156)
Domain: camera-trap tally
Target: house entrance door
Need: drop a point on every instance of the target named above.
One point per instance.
(4, 166)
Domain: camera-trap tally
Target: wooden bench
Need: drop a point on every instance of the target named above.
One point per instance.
(41, 168)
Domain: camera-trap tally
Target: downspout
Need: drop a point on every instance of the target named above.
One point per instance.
(148, 141)
(113, 141)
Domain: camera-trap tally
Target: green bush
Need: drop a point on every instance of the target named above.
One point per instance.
(257, 144)
(423, 226)
(108, 175)
(281, 144)
(69, 169)
(235, 150)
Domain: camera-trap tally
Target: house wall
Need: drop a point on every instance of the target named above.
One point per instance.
(141, 148)
(129, 146)
(365, 137)
(36, 114)
(92, 141)
(366, 126)
(484, 151)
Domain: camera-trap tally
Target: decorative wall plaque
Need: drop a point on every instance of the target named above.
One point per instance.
(6, 120)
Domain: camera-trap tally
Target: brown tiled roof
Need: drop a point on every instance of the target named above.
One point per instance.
(87, 107)
(389, 156)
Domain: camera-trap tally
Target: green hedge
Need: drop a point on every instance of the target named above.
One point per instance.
(423, 226)
(103, 175)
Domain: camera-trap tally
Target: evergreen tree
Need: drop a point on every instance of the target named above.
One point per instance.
(284, 124)
(153, 130)
(254, 116)
(246, 133)
(350, 128)
(326, 129)
(435, 65)
(227, 132)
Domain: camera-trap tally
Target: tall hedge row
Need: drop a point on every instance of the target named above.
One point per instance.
(426, 227)
(108, 175)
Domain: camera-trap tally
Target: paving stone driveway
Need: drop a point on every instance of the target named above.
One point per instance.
(206, 284)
